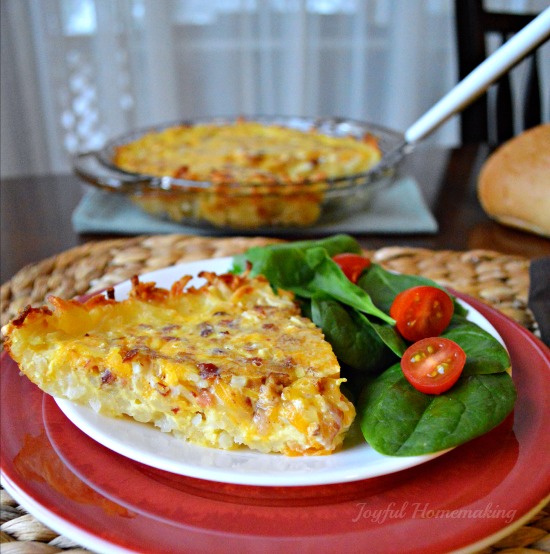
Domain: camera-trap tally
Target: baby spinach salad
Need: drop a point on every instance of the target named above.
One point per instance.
(395, 417)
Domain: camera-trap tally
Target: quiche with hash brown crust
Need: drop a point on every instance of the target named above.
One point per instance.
(226, 364)
(259, 174)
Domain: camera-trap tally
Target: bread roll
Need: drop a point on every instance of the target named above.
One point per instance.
(514, 182)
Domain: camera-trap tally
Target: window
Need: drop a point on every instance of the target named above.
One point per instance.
(81, 71)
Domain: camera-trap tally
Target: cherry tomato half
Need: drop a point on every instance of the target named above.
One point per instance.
(433, 365)
(422, 312)
(352, 265)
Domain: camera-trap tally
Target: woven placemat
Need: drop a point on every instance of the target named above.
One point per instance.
(501, 281)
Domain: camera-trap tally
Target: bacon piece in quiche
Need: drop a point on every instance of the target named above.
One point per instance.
(225, 365)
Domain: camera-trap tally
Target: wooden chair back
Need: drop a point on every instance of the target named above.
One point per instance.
(495, 121)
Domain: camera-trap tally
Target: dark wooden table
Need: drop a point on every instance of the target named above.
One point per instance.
(36, 212)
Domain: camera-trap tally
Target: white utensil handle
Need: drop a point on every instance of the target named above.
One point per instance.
(475, 83)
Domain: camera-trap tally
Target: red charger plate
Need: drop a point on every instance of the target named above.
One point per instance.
(461, 501)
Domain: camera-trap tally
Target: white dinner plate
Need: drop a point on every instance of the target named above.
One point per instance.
(148, 445)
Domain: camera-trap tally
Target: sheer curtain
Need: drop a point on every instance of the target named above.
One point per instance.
(77, 72)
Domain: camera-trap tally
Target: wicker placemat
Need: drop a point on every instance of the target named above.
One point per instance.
(500, 280)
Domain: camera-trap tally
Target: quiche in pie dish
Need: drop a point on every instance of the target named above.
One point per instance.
(257, 174)
(228, 364)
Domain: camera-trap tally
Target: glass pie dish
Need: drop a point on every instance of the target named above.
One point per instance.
(245, 203)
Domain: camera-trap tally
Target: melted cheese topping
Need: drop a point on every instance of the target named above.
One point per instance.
(228, 364)
(247, 152)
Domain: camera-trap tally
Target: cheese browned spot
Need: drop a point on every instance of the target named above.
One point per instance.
(227, 364)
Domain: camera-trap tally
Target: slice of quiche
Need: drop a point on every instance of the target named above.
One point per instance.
(226, 364)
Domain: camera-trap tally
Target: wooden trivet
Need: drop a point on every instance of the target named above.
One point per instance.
(501, 281)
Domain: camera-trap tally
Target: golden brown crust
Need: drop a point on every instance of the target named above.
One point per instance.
(514, 183)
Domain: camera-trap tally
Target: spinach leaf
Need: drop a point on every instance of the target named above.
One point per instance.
(484, 354)
(284, 262)
(306, 268)
(357, 343)
(330, 279)
(383, 286)
(398, 420)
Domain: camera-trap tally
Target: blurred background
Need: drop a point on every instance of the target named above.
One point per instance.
(75, 73)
